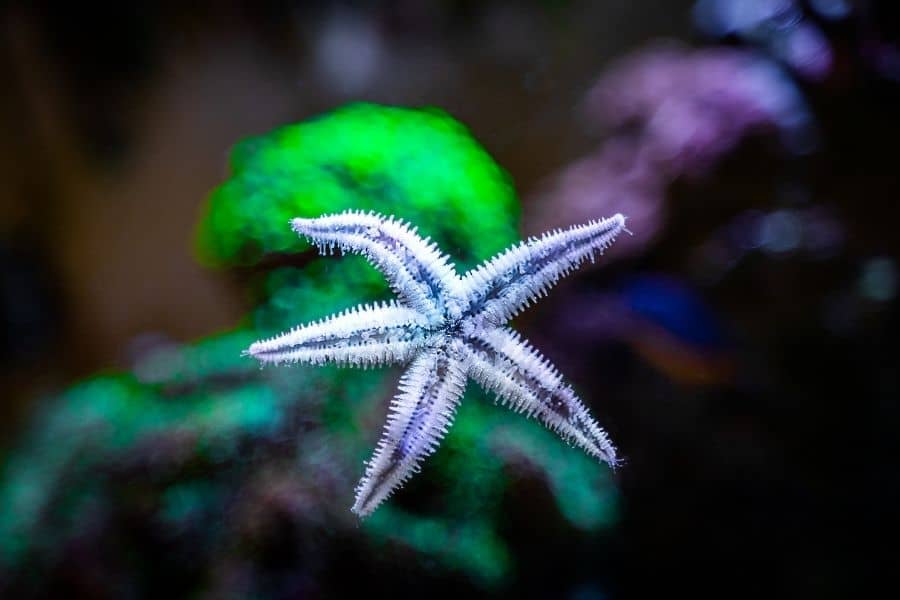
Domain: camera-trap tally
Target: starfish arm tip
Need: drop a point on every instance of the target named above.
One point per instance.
(608, 455)
(362, 510)
(620, 220)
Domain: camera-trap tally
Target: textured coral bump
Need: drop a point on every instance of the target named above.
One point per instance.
(447, 328)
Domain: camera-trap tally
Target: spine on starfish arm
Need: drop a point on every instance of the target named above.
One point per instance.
(523, 379)
(420, 416)
(361, 336)
(414, 267)
(509, 282)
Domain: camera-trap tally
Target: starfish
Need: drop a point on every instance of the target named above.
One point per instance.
(448, 328)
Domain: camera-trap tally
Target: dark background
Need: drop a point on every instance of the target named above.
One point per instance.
(777, 477)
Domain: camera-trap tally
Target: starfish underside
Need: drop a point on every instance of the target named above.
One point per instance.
(448, 329)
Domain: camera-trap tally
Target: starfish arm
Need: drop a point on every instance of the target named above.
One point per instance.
(361, 336)
(420, 416)
(414, 267)
(500, 288)
(502, 362)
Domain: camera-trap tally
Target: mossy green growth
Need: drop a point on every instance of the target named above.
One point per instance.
(105, 420)
(417, 164)
(182, 437)
(472, 546)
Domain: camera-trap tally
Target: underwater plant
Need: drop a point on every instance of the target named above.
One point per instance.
(195, 464)
(449, 328)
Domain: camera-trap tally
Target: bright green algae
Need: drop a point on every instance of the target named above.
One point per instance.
(203, 407)
(420, 165)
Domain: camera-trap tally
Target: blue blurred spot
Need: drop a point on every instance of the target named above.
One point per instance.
(673, 306)
(831, 9)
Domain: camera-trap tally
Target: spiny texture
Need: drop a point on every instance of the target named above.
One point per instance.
(449, 328)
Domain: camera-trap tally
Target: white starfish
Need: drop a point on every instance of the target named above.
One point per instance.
(448, 328)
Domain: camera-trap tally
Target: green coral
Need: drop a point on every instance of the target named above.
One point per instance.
(420, 165)
(185, 436)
